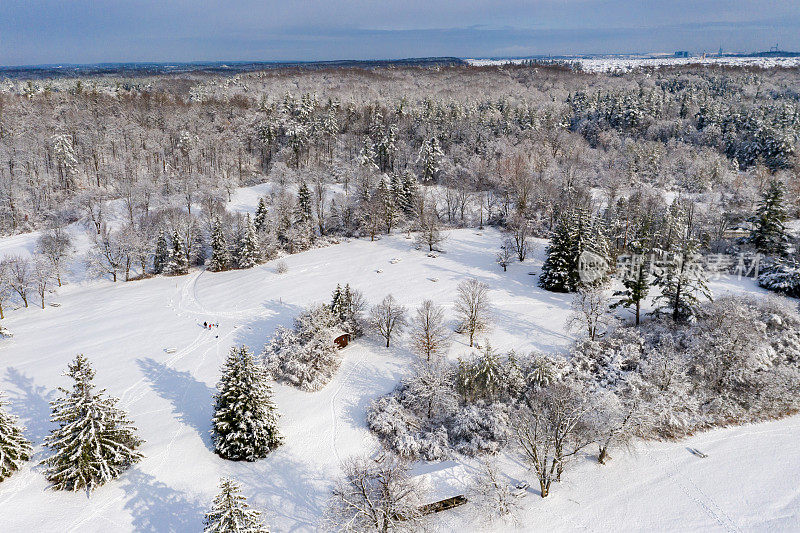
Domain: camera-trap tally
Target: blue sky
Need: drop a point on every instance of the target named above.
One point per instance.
(82, 31)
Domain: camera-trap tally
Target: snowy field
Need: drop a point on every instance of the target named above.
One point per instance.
(148, 347)
(614, 64)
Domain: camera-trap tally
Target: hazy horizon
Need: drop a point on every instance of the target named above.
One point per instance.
(42, 32)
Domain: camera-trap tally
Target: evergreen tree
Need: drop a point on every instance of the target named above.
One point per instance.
(15, 449)
(245, 420)
(248, 254)
(230, 512)
(430, 156)
(261, 217)
(636, 281)
(220, 255)
(681, 276)
(769, 232)
(304, 207)
(177, 261)
(578, 242)
(94, 442)
(161, 255)
(338, 303)
(560, 268)
(408, 193)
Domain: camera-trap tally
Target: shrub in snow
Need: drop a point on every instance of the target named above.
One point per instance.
(305, 357)
(94, 442)
(245, 420)
(782, 278)
(15, 449)
(230, 512)
(281, 267)
(480, 428)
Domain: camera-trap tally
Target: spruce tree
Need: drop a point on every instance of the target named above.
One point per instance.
(245, 419)
(577, 237)
(230, 512)
(261, 219)
(248, 254)
(769, 235)
(560, 269)
(94, 442)
(15, 449)
(220, 255)
(177, 261)
(338, 303)
(304, 207)
(161, 255)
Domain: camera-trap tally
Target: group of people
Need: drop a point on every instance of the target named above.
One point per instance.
(209, 325)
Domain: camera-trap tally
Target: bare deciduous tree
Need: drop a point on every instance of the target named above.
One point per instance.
(56, 245)
(492, 494)
(429, 234)
(19, 276)
(551, 429)
(428, 331)
(473, 307)
(42, 274)
(506, 254)
(388, 317)
(375, 495)
(590, 311)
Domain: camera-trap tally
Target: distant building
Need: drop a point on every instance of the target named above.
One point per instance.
(682, 53)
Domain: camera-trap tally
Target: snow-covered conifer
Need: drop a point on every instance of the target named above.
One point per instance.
(262, 216)
(161, 255)
(177, 263)
(248, 254)
(220, 255)
(245, 419)
(769, 232)
(94, 442)
(15, 449)
(230, 512)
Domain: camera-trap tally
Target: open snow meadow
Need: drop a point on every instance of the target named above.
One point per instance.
(149, 348)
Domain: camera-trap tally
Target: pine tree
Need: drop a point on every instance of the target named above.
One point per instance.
(635, 279)
(245, 420)
(220, 255)
(177, 262)
(681, 276)
(161, 255)
(15, 449)
(95, 442)
(261, 217)
(248, 254)
(769, 231)
(230, 512)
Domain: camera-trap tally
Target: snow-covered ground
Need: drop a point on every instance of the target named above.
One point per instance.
(148, 347)
(612, 64)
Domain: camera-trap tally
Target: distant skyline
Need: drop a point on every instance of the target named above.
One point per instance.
(80, 31)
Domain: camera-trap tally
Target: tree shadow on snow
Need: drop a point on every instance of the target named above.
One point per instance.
(157, 507)
(285, 489)
(31, 404)
(256, 333)
(192, 400)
